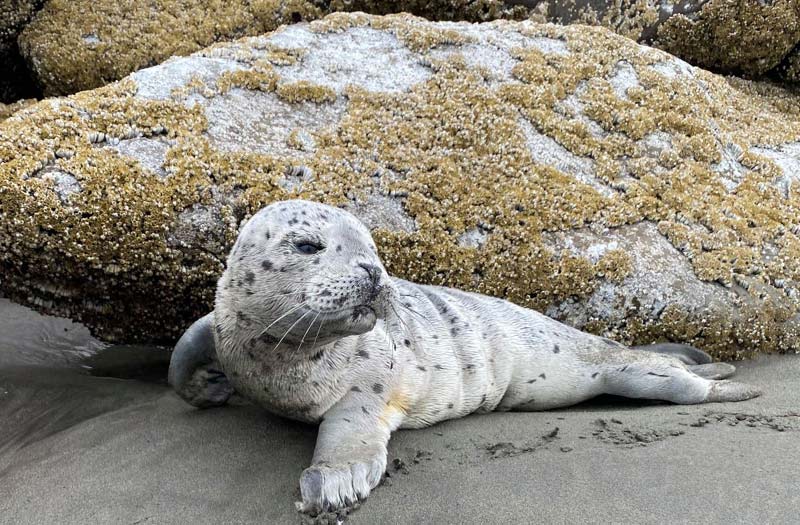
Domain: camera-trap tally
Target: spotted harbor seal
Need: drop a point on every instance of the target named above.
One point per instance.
(308, 324)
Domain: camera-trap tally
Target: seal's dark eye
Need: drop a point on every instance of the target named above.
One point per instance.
(308, 248)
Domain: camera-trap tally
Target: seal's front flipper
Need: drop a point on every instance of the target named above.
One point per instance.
(194, 370)
(689, 355)
(350, 456)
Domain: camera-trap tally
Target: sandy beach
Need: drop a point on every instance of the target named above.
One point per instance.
(79, 448)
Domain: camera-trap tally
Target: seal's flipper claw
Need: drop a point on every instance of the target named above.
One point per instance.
(713, 370)
(689, 355)
(194, 371)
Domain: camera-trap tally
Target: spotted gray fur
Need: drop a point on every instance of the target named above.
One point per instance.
(330, 338)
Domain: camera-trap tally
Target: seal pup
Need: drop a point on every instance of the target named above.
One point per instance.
(308, 324)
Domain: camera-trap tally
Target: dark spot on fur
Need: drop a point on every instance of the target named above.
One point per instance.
(315, 383)
(377, 388)
(346, 420)
(305, 223)
(363, 354)
(623, 368)
(318, 355)
(483, 399)
(438, 367)
(658, 375)
(454, 331)
(267, 265)
(469, 367)
(435, 336)
(339, 248)
(531, 381)
(355, 389)
(364, 409)
(556, 349)
(422, 368)
(266, 338)
(282, 269)
(316, 260)
(406, 342)
(266, 234)
(595, 374)
(543, 376)
(449, 405)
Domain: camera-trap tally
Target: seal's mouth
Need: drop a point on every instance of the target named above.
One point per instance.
(354, 312)
(362, 311)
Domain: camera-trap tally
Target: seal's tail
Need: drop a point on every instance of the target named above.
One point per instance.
(688, 354)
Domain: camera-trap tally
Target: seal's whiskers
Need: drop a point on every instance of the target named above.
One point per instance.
(293, 309)
(316, 336)
(303, 339)
(289, 330)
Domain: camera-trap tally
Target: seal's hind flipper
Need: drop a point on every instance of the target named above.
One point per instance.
(689, 355)
(713, 370)
(728, 391)
(194, 371)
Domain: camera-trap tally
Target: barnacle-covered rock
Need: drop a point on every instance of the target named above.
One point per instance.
(6, 110)
(15, 82)
(74, 45)
(789, 69)
(737, 36)
(567, 169)
(740, 36)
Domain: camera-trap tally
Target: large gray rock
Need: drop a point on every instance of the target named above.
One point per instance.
(568, 169)
(73, 45)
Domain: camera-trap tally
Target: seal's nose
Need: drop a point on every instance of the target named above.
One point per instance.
(374, 273)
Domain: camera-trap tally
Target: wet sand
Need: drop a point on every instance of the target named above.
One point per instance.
(77, 448)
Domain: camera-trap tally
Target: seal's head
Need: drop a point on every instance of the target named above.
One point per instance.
(302, 271)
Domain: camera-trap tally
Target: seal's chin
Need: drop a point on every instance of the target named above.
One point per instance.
(353, 321)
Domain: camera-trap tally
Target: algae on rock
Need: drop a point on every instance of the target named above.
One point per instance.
(567, 169)
(74, 45)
